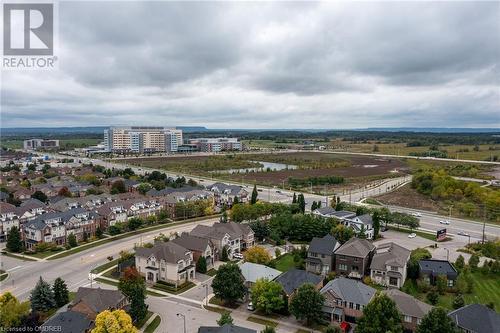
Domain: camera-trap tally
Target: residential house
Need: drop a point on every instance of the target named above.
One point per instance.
(292, 279)
(8, 219)
(3, 196)
(68, 322)
(430, 269)
(91, 301)
(412, 310)
(388, 266)
(22, 194)
(112, 213)
(476, 318)
(224, 194)
(234, 236)
(329, 212)
(226, 328)
(165, 261)
(201, 247)
(353, 258)
(345, 299)
(252, 272)
(320, 254)
(349, 219)
(30, 209)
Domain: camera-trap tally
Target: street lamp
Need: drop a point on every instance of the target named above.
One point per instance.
(206, 294)
(184, 319)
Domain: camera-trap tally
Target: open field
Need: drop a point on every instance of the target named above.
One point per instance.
(64, 143)
(406, 196)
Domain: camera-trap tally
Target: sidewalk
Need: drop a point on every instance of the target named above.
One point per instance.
(153, 316)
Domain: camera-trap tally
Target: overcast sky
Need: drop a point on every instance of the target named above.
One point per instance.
(266, 65)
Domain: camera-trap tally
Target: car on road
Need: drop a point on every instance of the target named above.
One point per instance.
(417, 214)
(462, 233)
(278, 191)
(259, 190)
(238, 256)
(250, 307)
(384, 228)
(444, 222)
(412, 235)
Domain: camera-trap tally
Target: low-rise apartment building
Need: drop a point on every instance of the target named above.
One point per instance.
(214, 145)
(142, 139)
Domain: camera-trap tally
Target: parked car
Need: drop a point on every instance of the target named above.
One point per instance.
(444, 222)
(250, 307)
(412, 235)
(384, 228)
(238, 256)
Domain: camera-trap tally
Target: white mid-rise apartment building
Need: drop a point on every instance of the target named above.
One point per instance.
(217, 144)
(142, 139)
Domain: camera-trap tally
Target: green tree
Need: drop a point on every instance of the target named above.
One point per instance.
(307, 303)
(458, 302)
(302, 202)
(255, 194)
(380, 315)
(342, 233)
(314, 206)
(376, 224)
(14, 242)
(117, 321)
(134, 223)
(267, 296)
(143, 188)
(132, 285)
(257, 255)
(225, 318)
(42, 297)
(72, 240)
(432, 297)
(333, 329)
(201, 265)
(441, 284)
(362, 232)
(236, 200)
(39, 195)
(294, 199)
(460, 263)
(118, 187)
(98, 232)
(12, 312)
(228, 284)
(473, 262)
(435, 321)
(415, 256)
(225, 254)
(61, 294)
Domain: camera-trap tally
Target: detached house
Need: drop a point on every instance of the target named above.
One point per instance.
(353, 258)
(234, 236)
(412, 310)
(476, 318)
(224, 194)
(167, 262)
(320, 254)
(431, 269)
(349, 219)
(388, 266)
(201, 247)
(91, 301)
(345, 299)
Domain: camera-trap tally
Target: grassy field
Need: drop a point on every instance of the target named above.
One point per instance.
(285, 262)
(64, 143)
(486, 290)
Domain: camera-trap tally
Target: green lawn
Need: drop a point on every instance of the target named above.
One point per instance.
(486, 290)
(153, 325)
(144, 320)
(285, 263)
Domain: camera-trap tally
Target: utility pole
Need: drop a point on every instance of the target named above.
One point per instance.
(484, 222)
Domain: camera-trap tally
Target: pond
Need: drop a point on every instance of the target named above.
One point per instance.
(264, 167)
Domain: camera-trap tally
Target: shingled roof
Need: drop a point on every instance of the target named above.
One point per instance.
(324, 245)
(168, 251)
(98, 299)
(356, 247)
(476, 318)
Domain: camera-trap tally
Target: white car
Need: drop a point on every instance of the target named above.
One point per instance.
(250, 307)
(238, 256)
(412, 235)
(444, 222)
(462, 233)
(417, 214)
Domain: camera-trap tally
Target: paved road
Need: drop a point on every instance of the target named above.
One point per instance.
(74, 269)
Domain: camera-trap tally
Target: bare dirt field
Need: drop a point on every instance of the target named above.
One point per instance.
(410, 198)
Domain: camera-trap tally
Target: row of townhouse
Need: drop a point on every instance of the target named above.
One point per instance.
(174, 261)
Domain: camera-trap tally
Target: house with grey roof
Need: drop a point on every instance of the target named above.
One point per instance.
(68, 322)
(234, 236)
(349, 219)
(224, 193)
(252, 272)
(226, 328)
(411, 309)
(91, 301)
(8, 219)
(388, 266)
(320, 254)
(353, 258)
(345, 299)
(329, 212)
(476, 318)
(292, 279)
(431, 269)
(201, 247)
(165, 261)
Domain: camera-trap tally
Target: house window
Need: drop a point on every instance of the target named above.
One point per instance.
(407, 319)
(450, 283)
(418, 321)
(358, 307)
(351, 305)
(394, 268)
(343, 267)
(393, 281)
(355, 268)
(356, 259)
